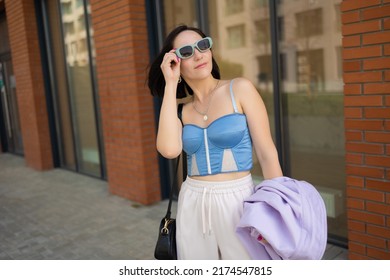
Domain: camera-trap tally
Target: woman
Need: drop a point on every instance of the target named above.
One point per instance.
(216, 129)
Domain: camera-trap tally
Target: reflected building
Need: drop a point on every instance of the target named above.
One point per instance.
(75, 35)
(309, 34)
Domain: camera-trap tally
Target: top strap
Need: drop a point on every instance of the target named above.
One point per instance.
(232, 96)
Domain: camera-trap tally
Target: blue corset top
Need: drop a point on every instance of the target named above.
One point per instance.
(223, 146)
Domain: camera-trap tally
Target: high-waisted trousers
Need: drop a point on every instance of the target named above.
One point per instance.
(207, 215)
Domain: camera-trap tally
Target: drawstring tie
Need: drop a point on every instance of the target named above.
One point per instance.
(204, 210)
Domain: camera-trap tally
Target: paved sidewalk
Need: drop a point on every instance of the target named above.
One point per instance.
(60, 214)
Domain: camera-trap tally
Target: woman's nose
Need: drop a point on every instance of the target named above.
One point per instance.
(197, 54)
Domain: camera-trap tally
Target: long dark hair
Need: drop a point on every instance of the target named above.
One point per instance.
(156, 81)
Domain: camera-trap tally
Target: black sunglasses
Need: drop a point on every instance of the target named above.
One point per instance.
(187, 51)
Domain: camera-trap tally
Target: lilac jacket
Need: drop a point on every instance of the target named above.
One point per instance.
(284, 219)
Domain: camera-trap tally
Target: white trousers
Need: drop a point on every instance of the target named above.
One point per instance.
(207, 215)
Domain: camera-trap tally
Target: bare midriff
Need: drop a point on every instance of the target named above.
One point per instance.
(222, 176)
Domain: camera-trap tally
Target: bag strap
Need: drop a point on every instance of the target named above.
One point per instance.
(180, 113)
(168, 214)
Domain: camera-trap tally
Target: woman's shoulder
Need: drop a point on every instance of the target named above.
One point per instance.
(241, 82)
(243, 87)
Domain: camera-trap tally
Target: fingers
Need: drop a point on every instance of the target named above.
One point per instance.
(170, 66)
(170, 58)
(178, 58)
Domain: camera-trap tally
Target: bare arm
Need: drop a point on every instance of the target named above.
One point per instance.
(169, 142)
(253, 107)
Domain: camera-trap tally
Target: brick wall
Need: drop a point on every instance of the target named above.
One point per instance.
(120, 34)
(22, 29)
(366, 60)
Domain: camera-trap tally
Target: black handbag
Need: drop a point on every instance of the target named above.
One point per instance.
(166, 243)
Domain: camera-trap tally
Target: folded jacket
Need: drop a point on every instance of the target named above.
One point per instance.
(284, 219)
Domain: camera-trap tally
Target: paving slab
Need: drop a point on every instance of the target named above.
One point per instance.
(62, 215)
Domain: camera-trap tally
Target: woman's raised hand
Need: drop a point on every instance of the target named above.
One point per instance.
(170, 67)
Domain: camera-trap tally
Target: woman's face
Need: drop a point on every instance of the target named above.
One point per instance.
(199, 65)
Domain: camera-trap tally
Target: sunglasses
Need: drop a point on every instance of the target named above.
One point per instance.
(187, 51)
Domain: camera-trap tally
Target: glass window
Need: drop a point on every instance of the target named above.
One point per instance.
(79, 3)
(310, 82)
(243, 49)
(265, 66)
(66, 7)
(179, 12)
(236, 36)
(59, 86)
(234, 6)
(81, 23)
(72, 86)
(312, 94)
(305, 26)
(9, 109)
(69, 29)
(262, 35)
(310, 71)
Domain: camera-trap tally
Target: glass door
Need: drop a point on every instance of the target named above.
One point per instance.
(71, 56)
(10, 132)
(309, 95)
(312, 101)
(12, 135)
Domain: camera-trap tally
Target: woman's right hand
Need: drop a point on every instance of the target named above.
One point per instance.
(170, 67)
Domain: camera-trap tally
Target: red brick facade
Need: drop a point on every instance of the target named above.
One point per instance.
(122, 56)
(26, 59)
(120, 34)
(366, 60)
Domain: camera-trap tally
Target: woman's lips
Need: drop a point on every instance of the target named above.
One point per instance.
(201, 65)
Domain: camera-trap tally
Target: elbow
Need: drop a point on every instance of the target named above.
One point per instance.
(169, 152)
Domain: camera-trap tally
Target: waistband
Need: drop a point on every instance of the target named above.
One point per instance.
(220, 186)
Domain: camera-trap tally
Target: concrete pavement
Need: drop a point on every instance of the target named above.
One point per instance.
(59, 214)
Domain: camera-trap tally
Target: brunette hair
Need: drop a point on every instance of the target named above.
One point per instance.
(156, 81)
